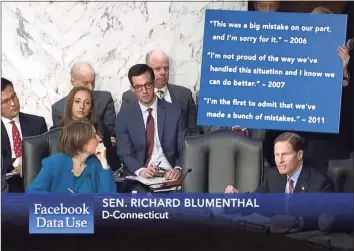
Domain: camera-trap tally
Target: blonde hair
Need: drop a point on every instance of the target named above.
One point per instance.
(321, 10)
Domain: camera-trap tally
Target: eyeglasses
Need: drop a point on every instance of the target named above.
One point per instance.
(8, 100)
(148, 86)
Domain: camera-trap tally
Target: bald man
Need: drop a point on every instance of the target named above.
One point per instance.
(182, 96)
(83, 74)
(266, 6)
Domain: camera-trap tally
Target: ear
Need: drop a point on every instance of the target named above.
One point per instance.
(300, 155)
(132, 88)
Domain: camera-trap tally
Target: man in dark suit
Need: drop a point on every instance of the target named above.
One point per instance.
(175, 94)
(14, 126)
(83, 74)
(150, 132)
(291, 175)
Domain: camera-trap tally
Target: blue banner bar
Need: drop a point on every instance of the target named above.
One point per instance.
(53, 213)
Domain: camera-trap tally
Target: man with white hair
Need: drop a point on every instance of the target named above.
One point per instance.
(83, 74)
(182, 96)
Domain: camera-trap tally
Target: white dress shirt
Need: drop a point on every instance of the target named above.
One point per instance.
(166, 94)
(294, 178)
(8, 127)
(157, 152)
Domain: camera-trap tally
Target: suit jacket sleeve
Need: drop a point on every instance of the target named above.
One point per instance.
(181, 134)
(43, 180)
(56, 115)
(105, 182)
(109, 115)
(124, 147)
(44, 127)
(192, 116)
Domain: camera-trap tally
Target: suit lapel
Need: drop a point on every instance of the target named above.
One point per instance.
(302, 182)
(172, 94)
(138, 124)
(25, 126)
(5, 141)
(161, 117)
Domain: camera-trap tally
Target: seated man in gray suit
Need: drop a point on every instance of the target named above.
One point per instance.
(83, 74)
(176, 94)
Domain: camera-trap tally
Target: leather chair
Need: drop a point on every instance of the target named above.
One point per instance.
(35, 149)
(222, 158)
(341, 174)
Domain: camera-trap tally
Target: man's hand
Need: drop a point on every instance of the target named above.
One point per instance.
(114, 141)
(343, 52)
(149, 171)
(18, 169)
(173, 174)
(231, 189)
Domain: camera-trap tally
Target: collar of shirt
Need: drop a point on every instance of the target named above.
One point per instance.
(163, 89)
(296, 175)
(144, 108)
(7, 121)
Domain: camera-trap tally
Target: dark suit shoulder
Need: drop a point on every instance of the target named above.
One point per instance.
(60, 103)
(31, 117)
(102, 94)
(128, 95)
(181, 89)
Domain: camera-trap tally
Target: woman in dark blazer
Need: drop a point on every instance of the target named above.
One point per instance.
(80, 106)
(80, 167)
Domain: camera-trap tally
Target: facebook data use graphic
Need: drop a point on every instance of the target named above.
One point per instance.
(81, 214)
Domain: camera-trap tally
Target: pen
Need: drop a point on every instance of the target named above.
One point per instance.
(71, 191)
(158, 166)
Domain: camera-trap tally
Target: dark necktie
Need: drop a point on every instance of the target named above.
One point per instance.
(160, 94)
(291, 185)
(16, 139)
(150, 133)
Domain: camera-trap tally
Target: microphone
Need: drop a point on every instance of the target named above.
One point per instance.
(189, 170)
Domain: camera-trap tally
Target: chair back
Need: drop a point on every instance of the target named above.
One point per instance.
(341, 174)
(35, 149)
(222, 158)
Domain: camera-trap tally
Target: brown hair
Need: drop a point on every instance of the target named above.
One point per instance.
(295, 140)
(68, 114)
(75, 136)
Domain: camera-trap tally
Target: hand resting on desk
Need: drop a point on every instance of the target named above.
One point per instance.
(151, 170)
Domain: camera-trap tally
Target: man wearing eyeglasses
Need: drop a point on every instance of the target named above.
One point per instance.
(176, 94)
(150, 133)
(14, 126)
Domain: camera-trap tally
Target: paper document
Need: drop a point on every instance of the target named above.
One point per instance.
(9, 175)
(148, 182)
